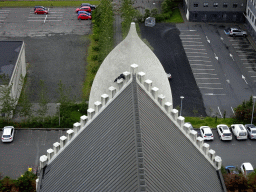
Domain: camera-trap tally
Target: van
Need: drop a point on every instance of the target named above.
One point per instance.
(239, 131)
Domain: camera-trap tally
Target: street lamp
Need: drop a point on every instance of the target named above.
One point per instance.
(181, 97)
(58, 104)
(254, 97)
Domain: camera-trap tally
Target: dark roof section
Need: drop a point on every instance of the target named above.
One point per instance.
(132, 145)
(9, 52)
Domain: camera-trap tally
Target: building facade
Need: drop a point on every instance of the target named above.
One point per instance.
(250, 17)
(215, 10)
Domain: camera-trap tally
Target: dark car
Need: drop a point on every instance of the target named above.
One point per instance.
(231, 170)
(88, 4)
(39, 7)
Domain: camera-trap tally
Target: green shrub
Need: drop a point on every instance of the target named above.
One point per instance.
(96, 48)
(95, 57)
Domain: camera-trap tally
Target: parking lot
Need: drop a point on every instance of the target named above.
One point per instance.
(223, 66)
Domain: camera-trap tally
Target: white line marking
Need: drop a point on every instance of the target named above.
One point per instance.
(220, 112)
(244, 55)
(202, 65)
(204, 69)
(243, 48)
(240, 44)
(250, 67)
(253, 76)
(198, 56)
(190, 41)
(213, 94)
(199, 60)
(197, 53)
(190, 38)
(188, 30)
(232, 110)
(53, 20)
(195, 49)
(210, 83)
(45, 18)
(251, 71)
(190, 35)
(248, 59)
(246, 51)
(209, 88)
(35, 20)
(204, 74)
(206, 78)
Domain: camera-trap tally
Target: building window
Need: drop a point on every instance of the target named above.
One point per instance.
(205, 4)
(242, 4)
(235, 5)
(195, 4)
(225, 5)
(215, 4)
(252, 18)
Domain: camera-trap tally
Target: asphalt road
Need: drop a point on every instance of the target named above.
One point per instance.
(56, 48)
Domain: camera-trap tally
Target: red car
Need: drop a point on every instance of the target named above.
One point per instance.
(85, 8)
(41, 11)
(84, 16)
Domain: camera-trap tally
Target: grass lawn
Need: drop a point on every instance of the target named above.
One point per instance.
(176, 17)
(58, 3)
(208, 121)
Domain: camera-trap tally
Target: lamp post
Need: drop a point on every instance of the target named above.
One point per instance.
(254, 97)
(58, 104)
(181, 98)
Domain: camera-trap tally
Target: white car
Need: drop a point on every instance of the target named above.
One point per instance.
(206, 133)
(246, 168)
(8, 133)
(224, 132)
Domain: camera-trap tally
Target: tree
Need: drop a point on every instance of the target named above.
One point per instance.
(6, 185)
(27, 182)
(8, 103)
(243, 112)
(63, 94)
(43, 108)
(25, 105)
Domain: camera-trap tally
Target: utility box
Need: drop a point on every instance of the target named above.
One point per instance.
(150, 22)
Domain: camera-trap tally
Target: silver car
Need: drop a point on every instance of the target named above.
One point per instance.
(251, 130)
(235, 32)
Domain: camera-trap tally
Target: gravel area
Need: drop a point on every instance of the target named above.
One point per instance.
(164, 38)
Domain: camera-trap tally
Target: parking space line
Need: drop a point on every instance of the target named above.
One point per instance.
(189, 35)
(53, 20)
(220, 112)
(240, 44)
(195, 49)
(203, 69)
(192, 45)
(206, 78)
(204, 74)
(249, 59)
(197, 53)
(201, 65)
(209, 88)
(198, 56)
(251, 71)
(242, 48)
(253, 76)
(232, 110)
(199, 60)
(190, 38)
(250, 67)
(213, 94)
(210, 83)
(191, 41)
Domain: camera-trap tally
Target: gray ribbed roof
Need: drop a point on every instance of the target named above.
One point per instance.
(131, 145)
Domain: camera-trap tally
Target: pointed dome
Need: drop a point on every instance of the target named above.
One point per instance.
(131, 50)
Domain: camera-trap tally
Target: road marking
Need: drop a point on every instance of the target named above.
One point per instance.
(190, 38)
(204, 74)
(213, 94)
(251, 71)
(242, 48)
(249, 59)
(195, 49)
(209, 88)
(232, 110)
(192, 45)
(190, 35)
(246, 51)
(53, 20)
(188, 30)
(220, 112)
(204, 69)
(35, 20)
(198, 56)
(250, 67)
(210, 83)
(253, 76)
(199, 60)
(191, 41)
(197, 52)
(244, 55)
(206, 78)
(240, 44)
(202, 65)
(249, 63)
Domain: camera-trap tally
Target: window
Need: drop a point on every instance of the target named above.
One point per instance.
(252, 18)
(225, 5)
(235, 5)
(195, 4)
(242, 4)
(205, 4)
(215, 4)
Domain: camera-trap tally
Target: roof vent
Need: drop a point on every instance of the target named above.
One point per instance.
(127, 76)
(186, 128)
(50, 154)
(104, 99)
(174, 114)
(168, 107)
(43, 161)
(134, 68)
(63, 141)
(56, 147)
(200, 142)
(97, 106)
(154, 92)
(218, 161)
(70, 134)
(148, 84)
(206, 148)
(83, 120)
(211, 154)
(141, 77)
(161, 99)
(90, 113)
(77, 126)
(193, 135)
(112, 91)
(180, 121)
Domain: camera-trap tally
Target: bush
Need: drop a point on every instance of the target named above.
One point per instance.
(243, 112)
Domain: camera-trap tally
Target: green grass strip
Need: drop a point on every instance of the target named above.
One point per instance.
(208, 121)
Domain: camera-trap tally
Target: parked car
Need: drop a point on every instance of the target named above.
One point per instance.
(89, 5)
(190, 126)
(85, 12)
(251, 130)
(85, 8)
(224, 132)
(235, 32)
(41, 11)
(84, 16)
(239, 131)
(39, 7)
(8, 134)
(246, 168)
(206, 133)
(231, 170)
